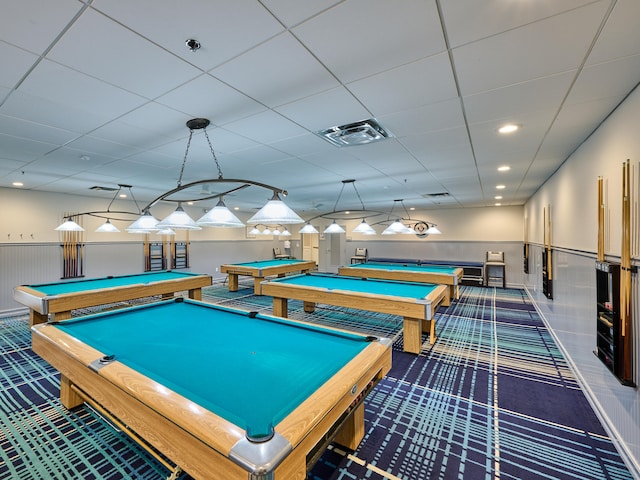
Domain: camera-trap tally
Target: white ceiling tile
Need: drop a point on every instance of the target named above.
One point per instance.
(47, 111)
(224, 28)
(547, 47)
(20, 60)
(16, 148)
(35, 17)
(265, 127)
(81, 92)
(292, 12)
(433, 117)
(324, 110)
(509, 104)
(208, 97)
(120, 57)
(470, 21)
(277, 72)
(569, 128)
(620, 75)
(364, 39)
(21, 128)
(620, 36)
(422, 82)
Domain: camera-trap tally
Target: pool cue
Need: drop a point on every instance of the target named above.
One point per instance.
(625, 275)
(549, 266)
(600, 256)
(65, 254)
(72, 251)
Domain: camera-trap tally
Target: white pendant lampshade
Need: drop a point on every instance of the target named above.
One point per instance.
(179, 220)
(433, 230)
(107, 227)
(254, 231)
(145, 224)
(308, 228)
(219, 216)
(69, 226)
(285, 233)
(275, 211)
(395, 227)
(266, 231)
(334, 228)
(364, 228)
(166, 231)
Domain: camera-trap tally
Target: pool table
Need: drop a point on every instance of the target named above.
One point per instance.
(438, 274)
(416, 302)
(224, 394)
(260, 269)
(60, 298)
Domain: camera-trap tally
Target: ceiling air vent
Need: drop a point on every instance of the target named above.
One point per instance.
(358, 133)
(435, 195)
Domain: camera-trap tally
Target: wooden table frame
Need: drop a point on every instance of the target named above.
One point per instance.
(385, 272)
(60, 306)
(203, 444)
(260, 273)
(418, 314)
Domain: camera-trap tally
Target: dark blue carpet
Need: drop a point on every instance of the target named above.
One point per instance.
(493, 398)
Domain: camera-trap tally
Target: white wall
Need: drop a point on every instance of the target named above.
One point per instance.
(571, 315)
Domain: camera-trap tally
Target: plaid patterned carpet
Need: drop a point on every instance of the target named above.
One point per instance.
(493, 398)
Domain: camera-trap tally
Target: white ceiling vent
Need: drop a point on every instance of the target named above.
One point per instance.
(358, 133)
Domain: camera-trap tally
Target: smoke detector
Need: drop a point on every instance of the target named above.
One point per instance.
(358, 133)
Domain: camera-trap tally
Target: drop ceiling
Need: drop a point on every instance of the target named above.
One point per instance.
(97, 93)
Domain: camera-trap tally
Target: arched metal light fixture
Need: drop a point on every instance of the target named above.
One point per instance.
(336, 214)
(71, 226)
(407, 225)
(274, 212)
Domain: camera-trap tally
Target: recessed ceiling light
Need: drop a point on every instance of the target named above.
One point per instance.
(18, 184)
(498, 197)
(508, 128)
(504, 168)
(123, 195)
(498, 204)
(500, 187)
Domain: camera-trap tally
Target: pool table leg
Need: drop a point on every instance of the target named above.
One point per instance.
(352, 432)
(309, 307)
(195, 294)
(412, 335)
(280, 307)
(257, 288)
(233, 282)
(62, 316)
(69, 397)
(446, 301)
(36, 318)
(432, 330)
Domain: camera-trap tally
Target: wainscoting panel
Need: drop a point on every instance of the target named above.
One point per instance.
(571, 317)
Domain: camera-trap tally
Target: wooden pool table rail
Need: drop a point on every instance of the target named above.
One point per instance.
(418, 314)
(41, 305)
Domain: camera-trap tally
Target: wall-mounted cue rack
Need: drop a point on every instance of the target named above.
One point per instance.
(547, 256)
(613, 293)
(525, 253)
(72, 254)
